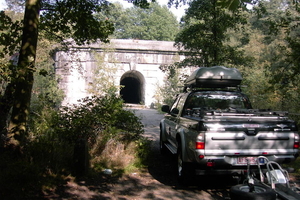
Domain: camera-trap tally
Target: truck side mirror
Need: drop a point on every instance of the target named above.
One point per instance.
(165, 108)
(174, 111)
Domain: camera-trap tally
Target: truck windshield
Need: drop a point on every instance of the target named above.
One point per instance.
(218, 101)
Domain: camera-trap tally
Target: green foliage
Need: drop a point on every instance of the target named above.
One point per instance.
(141, 3)
(153, 23)
(103, 80)
(232, 4)
(284, 28)
(204, 33)
(273, 81)
(95, 116)
(229, 4)
(46, 91)
(10, 33)
(74, 19)
(173, 84)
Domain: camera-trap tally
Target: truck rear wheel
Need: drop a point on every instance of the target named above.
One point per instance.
(241, 191)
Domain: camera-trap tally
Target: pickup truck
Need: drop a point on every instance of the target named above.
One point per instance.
(213, 129)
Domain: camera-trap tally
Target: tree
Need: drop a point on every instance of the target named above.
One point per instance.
(24, 79)
(204, 33)
(62, 19)
(272, 78)
(280, 22)
(229, 4)
(154, 23)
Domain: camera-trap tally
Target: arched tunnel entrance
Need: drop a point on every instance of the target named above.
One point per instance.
(132, 90)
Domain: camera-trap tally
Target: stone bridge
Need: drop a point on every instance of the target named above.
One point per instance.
(137, 68)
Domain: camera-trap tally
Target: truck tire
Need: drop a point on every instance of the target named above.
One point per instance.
(162, 146)
(241, 191)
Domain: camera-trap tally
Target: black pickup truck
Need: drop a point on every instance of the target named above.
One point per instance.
(213, 129)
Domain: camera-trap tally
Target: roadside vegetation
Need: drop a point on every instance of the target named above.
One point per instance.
(83, 140)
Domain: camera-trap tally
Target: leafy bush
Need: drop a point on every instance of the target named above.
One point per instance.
(96, 120)
(94, 117)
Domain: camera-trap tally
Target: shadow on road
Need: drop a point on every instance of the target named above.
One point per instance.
(163, 169)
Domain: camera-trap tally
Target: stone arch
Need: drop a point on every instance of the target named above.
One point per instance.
(133, 90)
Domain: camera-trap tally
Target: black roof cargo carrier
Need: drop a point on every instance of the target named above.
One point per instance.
(214, 77)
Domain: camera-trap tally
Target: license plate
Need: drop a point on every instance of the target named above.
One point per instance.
(252, 160)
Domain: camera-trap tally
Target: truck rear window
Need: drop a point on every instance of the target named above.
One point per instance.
(216, 101)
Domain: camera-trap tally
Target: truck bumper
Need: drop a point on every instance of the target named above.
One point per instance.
(230, 164)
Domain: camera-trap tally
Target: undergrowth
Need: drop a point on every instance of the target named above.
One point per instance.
(84, 139)
(295, 167)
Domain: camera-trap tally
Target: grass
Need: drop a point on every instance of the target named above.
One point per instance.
(118, 156)
(295, 165)
(25, 177)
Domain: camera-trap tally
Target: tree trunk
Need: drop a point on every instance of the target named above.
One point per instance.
(26, 67)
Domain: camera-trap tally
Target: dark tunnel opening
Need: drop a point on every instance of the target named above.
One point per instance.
(132, 87)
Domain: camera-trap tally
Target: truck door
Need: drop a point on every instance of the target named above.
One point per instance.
(173, 120)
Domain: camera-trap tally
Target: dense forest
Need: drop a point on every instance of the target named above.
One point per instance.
(260, 38)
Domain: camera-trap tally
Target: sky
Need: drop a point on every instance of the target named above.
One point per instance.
(2, 4)
(177, 12)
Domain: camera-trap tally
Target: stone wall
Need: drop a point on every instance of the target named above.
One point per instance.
(137, 64)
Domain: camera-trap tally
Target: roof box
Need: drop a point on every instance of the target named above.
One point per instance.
(214, 77)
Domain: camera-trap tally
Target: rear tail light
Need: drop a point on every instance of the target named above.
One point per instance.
(296, 141)
(200, 145)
